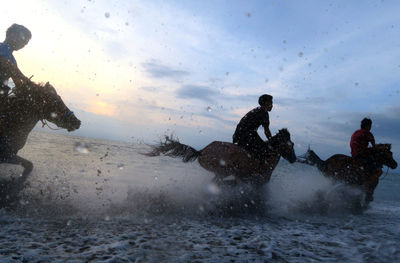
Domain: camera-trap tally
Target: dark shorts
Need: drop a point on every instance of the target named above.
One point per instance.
(253, 143)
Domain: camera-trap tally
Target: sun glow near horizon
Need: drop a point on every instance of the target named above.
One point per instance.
(200, 66)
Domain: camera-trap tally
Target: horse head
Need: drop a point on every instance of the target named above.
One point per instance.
(53, 109)
(282, 143)
(383, 155)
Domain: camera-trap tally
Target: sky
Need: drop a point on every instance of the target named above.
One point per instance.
(138, 70)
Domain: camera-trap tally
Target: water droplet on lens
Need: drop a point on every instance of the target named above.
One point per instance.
(81, 147)
(213, 189)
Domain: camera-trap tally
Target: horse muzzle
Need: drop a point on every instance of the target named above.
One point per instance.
(74, 125)
(393, 165)
(292, 157)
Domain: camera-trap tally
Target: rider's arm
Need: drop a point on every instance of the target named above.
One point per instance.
(267, 132)
(12, 70)
(372, 140)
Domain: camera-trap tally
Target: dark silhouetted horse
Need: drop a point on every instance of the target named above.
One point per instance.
(227, 159)
(19, 113)
(354, 171)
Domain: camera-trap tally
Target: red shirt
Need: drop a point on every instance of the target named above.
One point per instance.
(359, 141)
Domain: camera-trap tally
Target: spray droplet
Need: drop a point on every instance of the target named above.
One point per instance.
(81, 147)
(209, 109)
(107, 218)
(213, 189)
(69, 222)
(53, 115)
(222, 162)
(121, 166)
(107, 14)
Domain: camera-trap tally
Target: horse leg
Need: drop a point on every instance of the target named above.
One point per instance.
(28, 167)
(370, 185)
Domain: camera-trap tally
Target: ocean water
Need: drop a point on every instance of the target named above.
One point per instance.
(90, 200)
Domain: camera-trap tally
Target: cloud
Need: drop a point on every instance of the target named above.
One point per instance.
(197, 92)
(387, 124)
(151, 88)
(303, 102)
(156, 70)
(116, 50)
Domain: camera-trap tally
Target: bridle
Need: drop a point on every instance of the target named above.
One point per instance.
(60, 116)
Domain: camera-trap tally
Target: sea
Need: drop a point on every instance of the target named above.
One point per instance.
(91, 200)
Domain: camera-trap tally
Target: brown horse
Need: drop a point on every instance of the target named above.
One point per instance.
(355, 172)
(227, 159)
(19, 114)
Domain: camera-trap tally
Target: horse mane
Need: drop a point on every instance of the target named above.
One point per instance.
(282, 135)
(29, 87)
(383, 146)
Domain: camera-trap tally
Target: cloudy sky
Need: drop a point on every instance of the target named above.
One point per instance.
(135, 70)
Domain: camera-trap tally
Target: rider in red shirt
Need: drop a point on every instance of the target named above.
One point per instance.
(361, 138)
(359, 145)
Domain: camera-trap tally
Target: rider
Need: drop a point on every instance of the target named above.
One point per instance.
(246, 131)
(17, 36)
(361, 138)
(359, 144)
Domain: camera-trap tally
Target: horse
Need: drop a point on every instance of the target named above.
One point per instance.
(19, 113)
(354, 171)
(227, 159)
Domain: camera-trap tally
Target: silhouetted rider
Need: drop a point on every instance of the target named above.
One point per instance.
(17, 36)
(359, 144)
(246, 134)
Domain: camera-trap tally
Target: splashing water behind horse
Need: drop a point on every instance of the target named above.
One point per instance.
(19, 114)
(353, 171)
(227, 159)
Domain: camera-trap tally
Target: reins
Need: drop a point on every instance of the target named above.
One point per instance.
(44, 123)
(387, 171)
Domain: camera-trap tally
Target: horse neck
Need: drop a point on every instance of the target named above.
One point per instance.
(24, 115)
(272, 158)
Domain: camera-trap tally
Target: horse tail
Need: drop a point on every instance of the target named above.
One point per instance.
(174, 148)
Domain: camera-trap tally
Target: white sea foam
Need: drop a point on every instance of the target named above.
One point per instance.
(83, 207)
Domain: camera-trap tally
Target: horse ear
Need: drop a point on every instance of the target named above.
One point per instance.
(284, 133)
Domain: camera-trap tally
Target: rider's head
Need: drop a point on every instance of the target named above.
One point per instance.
(265, 101)
(366, 123)
(17, 36)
